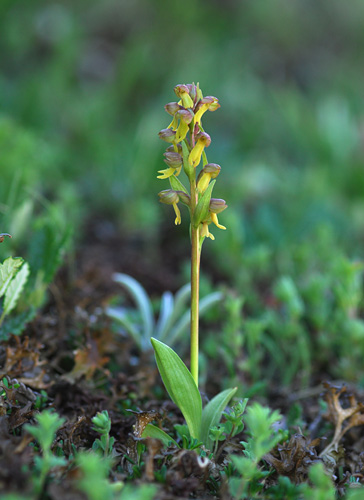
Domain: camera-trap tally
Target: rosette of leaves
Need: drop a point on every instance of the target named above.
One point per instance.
(173, 320)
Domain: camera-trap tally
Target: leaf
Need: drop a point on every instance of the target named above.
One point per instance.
(166, 311)
(202, 208)
(119, 315)
(205, 304)
(153, 431)
(7, 271)
(15, 288)
(212, 412)
(189, 170)
(142, 300)
(15, 324)
(176, 184)
(180, 385)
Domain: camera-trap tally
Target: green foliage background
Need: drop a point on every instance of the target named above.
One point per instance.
(83, 85)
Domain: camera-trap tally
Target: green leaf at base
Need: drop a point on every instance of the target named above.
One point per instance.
(180, 385)
(212, 412)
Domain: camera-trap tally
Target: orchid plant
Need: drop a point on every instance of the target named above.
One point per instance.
(188, 142)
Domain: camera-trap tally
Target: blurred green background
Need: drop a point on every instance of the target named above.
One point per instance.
(83, 85)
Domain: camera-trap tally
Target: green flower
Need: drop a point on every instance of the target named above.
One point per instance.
(174, 162)
(217, 205)
(183, 92)
(167, 135)
(171, 197)
(206, 103)
(203, 141)
(209, 171)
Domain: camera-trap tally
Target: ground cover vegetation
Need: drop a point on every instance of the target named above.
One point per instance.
(94, 274)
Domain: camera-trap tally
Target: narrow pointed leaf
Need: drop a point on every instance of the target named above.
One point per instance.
(166, 310)
(202, 208)
(119, 315)
(189, 170)
(180, 385)
(153, 431)
(176, 184)
(142, 300)
(212, 412)
(15, 288)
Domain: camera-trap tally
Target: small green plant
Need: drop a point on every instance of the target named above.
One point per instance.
(233, 424)
(14, 273)
(44, 433)
(94, 481)
(102, 425)
(259, 421)
(173, 318)
(188, 142)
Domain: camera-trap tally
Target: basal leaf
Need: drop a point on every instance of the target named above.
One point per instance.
(155, 432)
(15, 288)
(180, 385)
(212, 412)
(7, 271)
(141, 298)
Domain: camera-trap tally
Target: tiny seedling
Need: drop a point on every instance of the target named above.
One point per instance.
(102, 425)
(44, 433)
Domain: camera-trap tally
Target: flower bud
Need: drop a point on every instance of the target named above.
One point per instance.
(186, 115)
(171, 197)
(184, 198)
(168, 196)
(173, 159)
(167, 135)
(182, 91)
(172, 108)
(217, 205)
(192, 90)
(172, 149)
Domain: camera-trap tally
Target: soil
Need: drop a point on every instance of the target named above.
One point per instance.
(71, 352)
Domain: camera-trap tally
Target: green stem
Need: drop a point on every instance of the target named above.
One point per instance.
(195, 285)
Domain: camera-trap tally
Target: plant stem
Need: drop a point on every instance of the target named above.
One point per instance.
(195, 285)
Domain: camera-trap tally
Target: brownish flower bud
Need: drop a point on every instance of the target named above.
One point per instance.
(168, 196)
(217, 205)
(172, 108)
(186, 115)
(171, 149)
(184, 198)
(167, 135)
(173, 159)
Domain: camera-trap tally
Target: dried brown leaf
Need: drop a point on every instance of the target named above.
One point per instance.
(294, 458)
